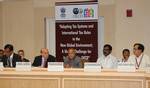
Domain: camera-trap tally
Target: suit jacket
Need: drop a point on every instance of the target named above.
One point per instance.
(16, 58)
(38, 60)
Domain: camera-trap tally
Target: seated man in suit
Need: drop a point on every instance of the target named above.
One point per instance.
(10, 58)
(1, 54)
(72, 60)
(21, 53)
(43, 59)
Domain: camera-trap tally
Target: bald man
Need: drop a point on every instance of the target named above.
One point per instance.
(72, 60)
(41, 61)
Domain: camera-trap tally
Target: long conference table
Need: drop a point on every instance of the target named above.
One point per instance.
(73, 78)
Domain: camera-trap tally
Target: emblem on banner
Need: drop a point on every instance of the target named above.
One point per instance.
(63, 12)
(80, 12)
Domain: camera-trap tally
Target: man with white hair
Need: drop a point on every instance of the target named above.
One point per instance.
(43, 59)
(72, 60)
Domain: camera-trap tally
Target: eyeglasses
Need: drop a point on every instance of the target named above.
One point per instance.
(135, 49)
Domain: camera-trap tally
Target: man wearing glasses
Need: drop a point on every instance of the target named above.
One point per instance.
(140, 59)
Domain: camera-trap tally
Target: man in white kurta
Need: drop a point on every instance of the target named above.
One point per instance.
(140, 59)
(107, 61)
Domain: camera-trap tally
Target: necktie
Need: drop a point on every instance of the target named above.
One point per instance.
(8, 62)
(45, 64)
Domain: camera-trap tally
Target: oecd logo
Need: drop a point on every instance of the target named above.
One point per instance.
(75, 11)
(63, 12)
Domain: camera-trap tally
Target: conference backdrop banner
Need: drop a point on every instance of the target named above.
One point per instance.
(77, 27)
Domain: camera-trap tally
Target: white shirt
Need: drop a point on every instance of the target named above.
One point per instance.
(123, 60)
(11, 58)
(43, 62)
(140, 62)
(108, 62)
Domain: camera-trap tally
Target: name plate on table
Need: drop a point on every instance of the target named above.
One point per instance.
(23, 66)
(1, 66)
(126, 67)
(55, 66)
(92, 67)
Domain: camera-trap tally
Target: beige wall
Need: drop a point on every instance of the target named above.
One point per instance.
(39, 15)
(134, 29)
(23, 23)
(108, 11)
(18, 25)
